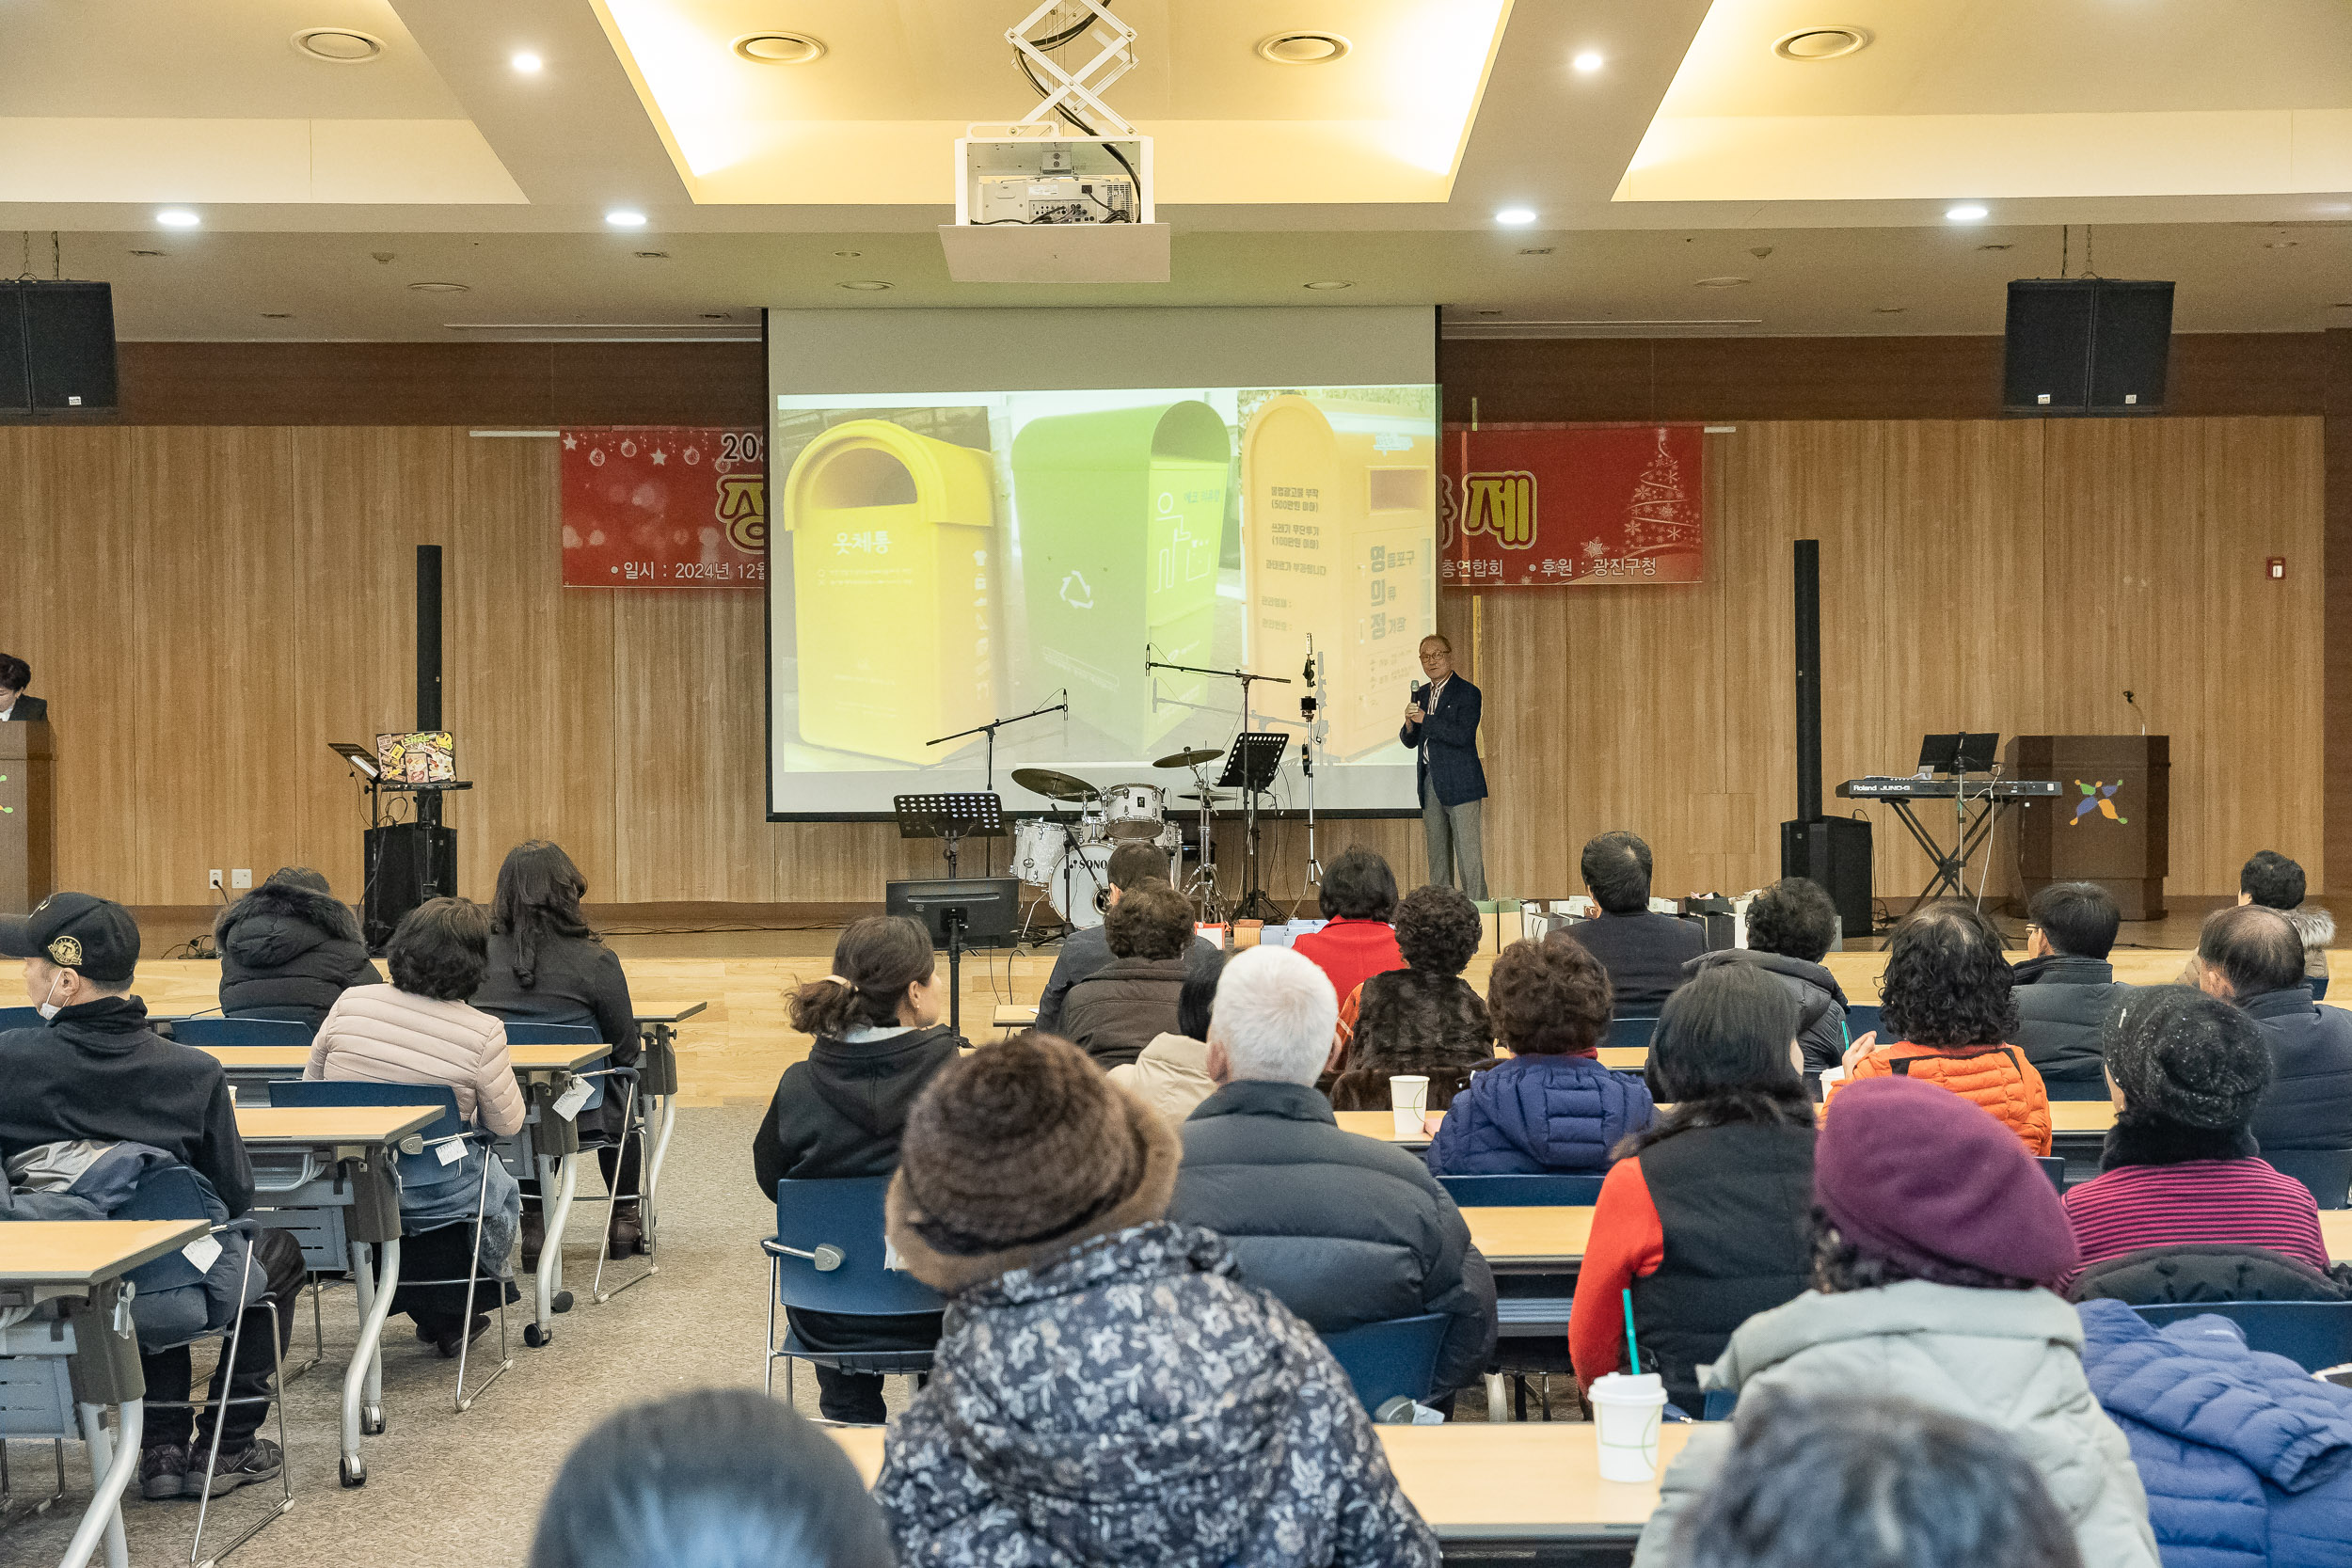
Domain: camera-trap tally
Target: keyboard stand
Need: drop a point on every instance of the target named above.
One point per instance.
(1976, 815)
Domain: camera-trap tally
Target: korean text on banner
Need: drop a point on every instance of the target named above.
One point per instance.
(662, 508)
(1555, 506)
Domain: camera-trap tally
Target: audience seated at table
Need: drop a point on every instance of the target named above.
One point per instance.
(1172, 1074)
(1359, 899)
(1790, 927)
(1706, 1215)
(289, 948)
(719, 1478)
(1644, 952)
(840, 1114)
(2247, 1458)
(1873, 1480)
(97, 1074)
(1934, 1239)
(1423, 1019)
(1109, 1389)
(1553, 1107)
(2251, 956)
(419, 1030)
(1087, 949)
(1114, 1012)
(1345, 1229)
(1946, 1012)
(2066, 989)
(2181, 1167)
(2275, 883)
(547, 967)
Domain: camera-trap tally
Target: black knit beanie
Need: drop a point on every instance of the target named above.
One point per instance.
(2182, 1056)
(1015, 1145)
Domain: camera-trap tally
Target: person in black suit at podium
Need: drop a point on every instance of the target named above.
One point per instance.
(16, 707)
(1441, 724)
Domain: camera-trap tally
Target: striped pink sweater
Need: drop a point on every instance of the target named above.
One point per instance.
(2243, 1202)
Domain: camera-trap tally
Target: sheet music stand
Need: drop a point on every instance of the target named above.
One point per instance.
(950, 817)
(1250, 767)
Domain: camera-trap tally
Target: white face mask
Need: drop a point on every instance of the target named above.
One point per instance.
(48, 1009)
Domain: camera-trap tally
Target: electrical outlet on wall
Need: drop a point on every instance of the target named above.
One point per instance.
(211, 878)
(242, 876)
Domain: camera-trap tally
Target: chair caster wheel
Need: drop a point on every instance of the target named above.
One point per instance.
(372, 1420)
(535, 1336)
(561, 1301)
(355, 1473)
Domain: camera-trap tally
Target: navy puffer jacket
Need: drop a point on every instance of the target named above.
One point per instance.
(1538, 1113)
(2246, 1458)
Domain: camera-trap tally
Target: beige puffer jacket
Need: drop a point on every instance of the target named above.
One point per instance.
(2011, 1359)
(1171, 1076)
(384, 1034)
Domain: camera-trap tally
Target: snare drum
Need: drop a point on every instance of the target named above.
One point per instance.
(1133, 811)
(1037, 844)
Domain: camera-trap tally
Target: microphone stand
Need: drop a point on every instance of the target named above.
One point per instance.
(989, 729)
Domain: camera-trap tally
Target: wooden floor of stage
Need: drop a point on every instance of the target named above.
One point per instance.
(734, 1052)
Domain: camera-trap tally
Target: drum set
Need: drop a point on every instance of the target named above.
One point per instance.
(1068, 852)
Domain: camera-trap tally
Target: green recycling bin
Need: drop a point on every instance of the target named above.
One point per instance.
(1123, 522)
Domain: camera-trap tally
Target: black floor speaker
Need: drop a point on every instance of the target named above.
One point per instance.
(1834, 851)
(407, 864)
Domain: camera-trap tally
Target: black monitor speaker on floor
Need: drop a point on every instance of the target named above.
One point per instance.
(1834, 851)
(2087, 345)
(407, 864)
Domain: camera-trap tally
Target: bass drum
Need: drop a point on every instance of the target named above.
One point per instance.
(1037, 844)
(1081, 884)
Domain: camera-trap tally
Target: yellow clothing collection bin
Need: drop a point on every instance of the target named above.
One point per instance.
(890, 534)
(1339, 520)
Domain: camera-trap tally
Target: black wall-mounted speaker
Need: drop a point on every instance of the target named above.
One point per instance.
(57, 347)
(2086, 345)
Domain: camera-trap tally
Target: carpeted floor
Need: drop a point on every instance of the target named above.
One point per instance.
(444, 1487)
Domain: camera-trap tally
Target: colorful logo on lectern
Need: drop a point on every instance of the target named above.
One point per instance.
(2099, 797)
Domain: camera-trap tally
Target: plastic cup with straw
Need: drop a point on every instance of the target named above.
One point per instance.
(1626, 1409)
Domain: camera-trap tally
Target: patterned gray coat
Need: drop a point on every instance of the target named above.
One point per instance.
(1131, 1401)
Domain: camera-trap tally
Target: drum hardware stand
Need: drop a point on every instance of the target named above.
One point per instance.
(1203, 889)
(990, 730)
(1254, 899)
(1250, 767)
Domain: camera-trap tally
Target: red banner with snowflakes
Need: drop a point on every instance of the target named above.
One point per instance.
(1558, 506)
(662, 508)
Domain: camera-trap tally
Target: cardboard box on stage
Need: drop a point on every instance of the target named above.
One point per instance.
(1338, 513)
(892, 616)
(1123, 522)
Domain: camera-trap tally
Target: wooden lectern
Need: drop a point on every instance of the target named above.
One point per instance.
(28, 869)
(2111, 822)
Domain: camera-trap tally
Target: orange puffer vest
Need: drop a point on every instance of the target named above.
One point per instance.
(1997, 1077)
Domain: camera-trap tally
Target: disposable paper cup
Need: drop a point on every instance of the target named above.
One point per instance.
(1625, 1413)
(1409, 1100)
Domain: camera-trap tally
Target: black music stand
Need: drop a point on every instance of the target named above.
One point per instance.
(977, 912)
(949, 818)
(1250, 767)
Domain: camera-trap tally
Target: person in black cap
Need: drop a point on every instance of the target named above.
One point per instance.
(96, 1070)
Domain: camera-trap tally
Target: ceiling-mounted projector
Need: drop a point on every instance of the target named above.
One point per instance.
(1042, 202)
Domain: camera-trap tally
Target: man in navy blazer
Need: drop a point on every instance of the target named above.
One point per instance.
(1441, 726)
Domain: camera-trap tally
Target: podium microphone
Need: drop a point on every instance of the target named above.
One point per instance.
(2137, 709)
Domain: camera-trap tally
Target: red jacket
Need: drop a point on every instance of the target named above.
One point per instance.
(1352, 951)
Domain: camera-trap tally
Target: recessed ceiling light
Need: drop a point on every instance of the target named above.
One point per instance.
(526, 62)
(1808, 44)
(1588, 62)
(848, 253)
(337, 45)
(1967, 212)
(1724, 282)
(441, 288)
(2281, 245)
(1303, 48)
(779, 48)
(621, 217)
(1331, 283)
(867, 286)
(1516, 217)
(177, 217)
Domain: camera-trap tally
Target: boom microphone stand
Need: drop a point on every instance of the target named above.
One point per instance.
(990, 730)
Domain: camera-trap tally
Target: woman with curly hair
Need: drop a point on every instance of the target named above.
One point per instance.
(1424, 1018)
(1553, 1107)
(1947, 1012)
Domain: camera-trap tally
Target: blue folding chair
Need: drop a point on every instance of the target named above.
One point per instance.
(417, 1166)
(2053, 1166)
(2313, 1335)
(210, 1032)
(1394, 1364)
(1521, 1192)
(21, 1018)
(1861, 1021)
(1630, 1033)
(170, 1193)
(2319, 987)
(828, 1256)
(633, 1126)
(2328, 1172)
(2075, 1089)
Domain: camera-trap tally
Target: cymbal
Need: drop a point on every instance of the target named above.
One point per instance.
(1192, 758)
(1052, 785)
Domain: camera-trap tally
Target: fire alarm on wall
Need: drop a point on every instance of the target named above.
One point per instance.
(2276, 567)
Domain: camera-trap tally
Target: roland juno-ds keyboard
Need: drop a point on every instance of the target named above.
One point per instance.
(1944, 789)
